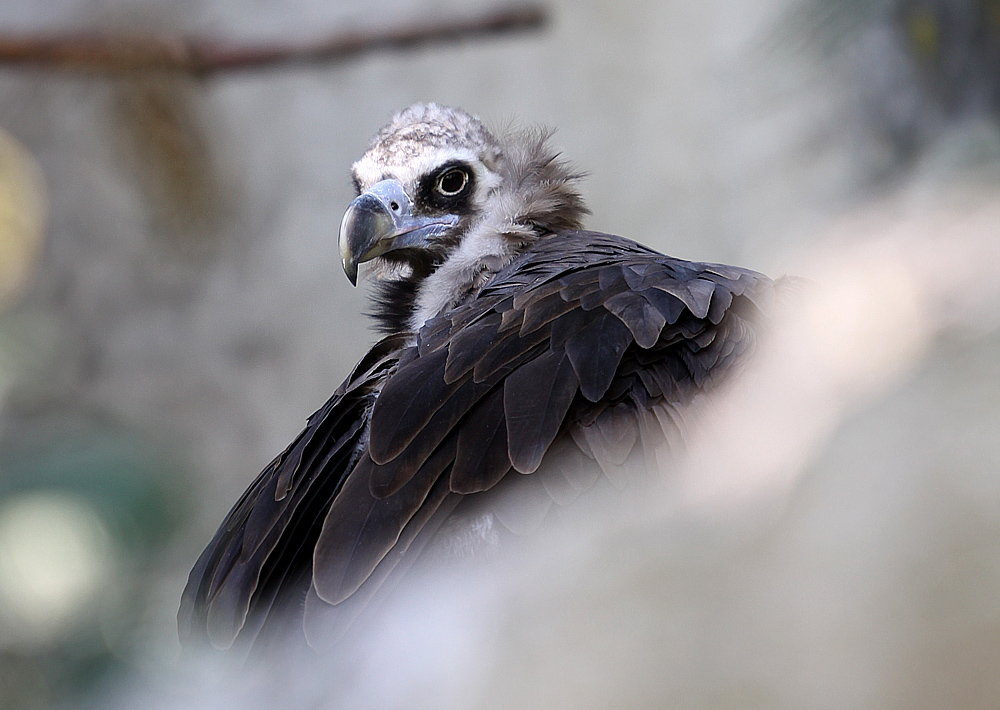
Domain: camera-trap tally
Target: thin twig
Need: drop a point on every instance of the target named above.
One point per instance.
(117, 53)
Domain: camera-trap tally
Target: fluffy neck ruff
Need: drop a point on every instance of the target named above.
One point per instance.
(534, 197)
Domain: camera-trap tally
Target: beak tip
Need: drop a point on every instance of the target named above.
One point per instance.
(351, 269)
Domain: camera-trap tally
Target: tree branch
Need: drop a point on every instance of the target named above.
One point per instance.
(110, 54)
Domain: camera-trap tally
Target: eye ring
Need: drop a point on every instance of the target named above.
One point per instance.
(452, 181)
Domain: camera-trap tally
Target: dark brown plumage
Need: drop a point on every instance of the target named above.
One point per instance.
(572, 362)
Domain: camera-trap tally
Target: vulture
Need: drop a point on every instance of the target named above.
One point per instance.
(527, 365)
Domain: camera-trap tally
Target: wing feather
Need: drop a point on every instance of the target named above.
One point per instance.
(409, 400)
(641, 317)
(481, 459)
(361, 528)
(387, 478)
(595, 351)
(536, 397)
(325, 623)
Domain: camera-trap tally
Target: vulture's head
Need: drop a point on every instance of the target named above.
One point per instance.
(443, 204)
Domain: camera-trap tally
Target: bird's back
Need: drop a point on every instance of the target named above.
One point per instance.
(573, 365)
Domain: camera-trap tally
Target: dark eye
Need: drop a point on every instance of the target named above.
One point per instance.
(452, 182)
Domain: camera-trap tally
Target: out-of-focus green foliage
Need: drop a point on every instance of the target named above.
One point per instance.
(132, 486)
(84, 512)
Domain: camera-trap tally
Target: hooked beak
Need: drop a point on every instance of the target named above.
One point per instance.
(380, 221)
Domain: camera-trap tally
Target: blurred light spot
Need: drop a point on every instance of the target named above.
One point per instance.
(55, 557)
(22, 216)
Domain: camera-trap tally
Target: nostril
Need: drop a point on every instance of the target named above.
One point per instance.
(394, 206)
